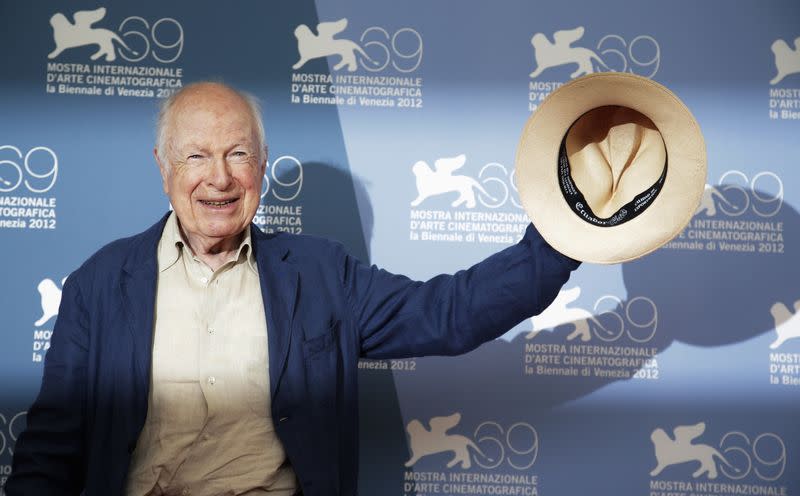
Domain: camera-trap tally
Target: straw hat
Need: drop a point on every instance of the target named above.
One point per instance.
(610, 167)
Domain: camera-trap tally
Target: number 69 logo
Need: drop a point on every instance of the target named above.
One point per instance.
(10, 431)
(165, 48)
(765, 455)
(283, 178)
(12, 174)
(637, 318)
(403, 48)
(740, 193)
(518, 445)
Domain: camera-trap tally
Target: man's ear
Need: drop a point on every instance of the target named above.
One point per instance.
(264, 161)
(163, 170)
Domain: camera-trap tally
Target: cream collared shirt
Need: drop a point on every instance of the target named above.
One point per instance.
(209, 429)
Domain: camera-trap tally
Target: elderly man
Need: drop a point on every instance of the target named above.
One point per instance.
(205, 357)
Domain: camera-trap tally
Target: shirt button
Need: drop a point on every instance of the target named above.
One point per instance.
(185, 492)
(204, 280)
(212, 380)
(210, 330)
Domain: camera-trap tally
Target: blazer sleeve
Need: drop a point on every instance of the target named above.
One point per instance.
(452, 314)
(49, 454)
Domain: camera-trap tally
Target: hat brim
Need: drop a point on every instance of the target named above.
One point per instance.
(537, 169)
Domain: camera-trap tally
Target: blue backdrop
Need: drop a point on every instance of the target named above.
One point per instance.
(678, 373)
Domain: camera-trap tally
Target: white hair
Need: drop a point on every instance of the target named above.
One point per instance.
(166, 107)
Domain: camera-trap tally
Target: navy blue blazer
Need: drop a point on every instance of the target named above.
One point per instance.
(324, 311)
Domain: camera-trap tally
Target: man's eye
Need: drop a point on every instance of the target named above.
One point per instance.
(195, 160)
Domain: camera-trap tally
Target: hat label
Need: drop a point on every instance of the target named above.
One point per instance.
(578, 204)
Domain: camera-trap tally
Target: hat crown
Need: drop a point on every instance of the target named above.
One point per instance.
(615, 153)
(557, 168)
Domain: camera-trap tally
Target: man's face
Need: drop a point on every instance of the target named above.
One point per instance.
(215, 168)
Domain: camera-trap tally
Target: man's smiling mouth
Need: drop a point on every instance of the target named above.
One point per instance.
(220, 203)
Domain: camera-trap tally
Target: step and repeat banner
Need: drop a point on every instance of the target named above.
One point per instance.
(393, 126)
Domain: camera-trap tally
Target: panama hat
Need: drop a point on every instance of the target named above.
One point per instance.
(610, 167)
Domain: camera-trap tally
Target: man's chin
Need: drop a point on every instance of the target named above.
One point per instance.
(222, 231)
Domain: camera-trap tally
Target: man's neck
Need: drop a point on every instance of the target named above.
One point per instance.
(213, 252)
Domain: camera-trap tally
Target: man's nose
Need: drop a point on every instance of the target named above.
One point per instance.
(220, 175)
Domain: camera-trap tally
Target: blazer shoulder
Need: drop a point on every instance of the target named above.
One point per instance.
(305, 247)
(138, 249)
(112, 253)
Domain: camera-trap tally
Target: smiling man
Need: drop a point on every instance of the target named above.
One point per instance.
(205, 357)
(212, 156)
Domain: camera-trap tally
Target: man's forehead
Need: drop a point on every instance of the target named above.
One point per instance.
(199, 112)
(212, 103)
(209, 91)
(210, 115)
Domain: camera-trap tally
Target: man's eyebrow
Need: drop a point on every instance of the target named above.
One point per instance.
(191, 145)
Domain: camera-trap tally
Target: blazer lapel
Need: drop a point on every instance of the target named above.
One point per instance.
(279, 289)
(138, 289)
(138, 295)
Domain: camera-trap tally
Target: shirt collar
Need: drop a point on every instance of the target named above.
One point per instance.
(171, 246)
(246, 247)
